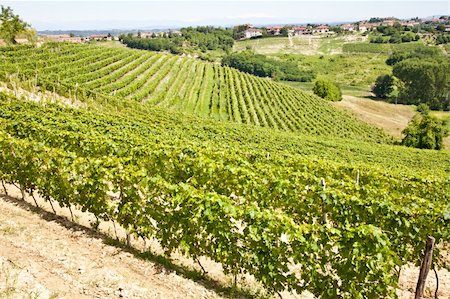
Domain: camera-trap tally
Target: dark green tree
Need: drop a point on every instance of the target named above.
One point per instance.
(10, 25)
(384, 86)
(424, 81)
(327, 90)
(425, 131)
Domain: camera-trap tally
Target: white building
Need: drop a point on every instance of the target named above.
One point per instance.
(252, 32)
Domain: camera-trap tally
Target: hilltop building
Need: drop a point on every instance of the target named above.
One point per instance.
(274, 30)
(321, 29)
(252, 32)
(63, 38)
(301, 30)
(365, 26)
(347, 27)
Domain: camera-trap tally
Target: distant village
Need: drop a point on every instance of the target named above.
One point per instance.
(361, 26)
(249, 31)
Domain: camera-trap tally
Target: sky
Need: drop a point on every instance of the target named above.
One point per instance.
(103, 15)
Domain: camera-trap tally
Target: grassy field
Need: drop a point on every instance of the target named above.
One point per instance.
(389, 117)
(353, 72)
(307, 45)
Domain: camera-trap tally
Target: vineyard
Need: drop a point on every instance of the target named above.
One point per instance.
(178, 83)
(335, 217)
(380, 48)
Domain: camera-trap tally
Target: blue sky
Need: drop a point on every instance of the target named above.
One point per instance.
(66, 15)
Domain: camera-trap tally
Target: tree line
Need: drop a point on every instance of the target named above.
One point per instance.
(192, 39)
(263, 66)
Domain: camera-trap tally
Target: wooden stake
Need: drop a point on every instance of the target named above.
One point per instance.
(324, 214)
(425, 268)
(128, 239)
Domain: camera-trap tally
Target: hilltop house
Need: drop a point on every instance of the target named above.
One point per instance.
(63, 38)
(321, 29)
(364, 26)
(146, 34)
(301, 30)
(100, 37)
(274, 30)
(347, 27)
(252, 32)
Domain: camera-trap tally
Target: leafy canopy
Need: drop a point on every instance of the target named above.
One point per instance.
(327, 90)
(384, 86)
(10, 25)
(425, 131)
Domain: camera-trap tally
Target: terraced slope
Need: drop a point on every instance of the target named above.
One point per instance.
(179, 83)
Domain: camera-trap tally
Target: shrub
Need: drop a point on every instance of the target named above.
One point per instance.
(425, 131)
(327, 90)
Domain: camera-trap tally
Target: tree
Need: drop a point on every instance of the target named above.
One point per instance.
(425, 131)
(424, 80)
(10, 25)
(284, 31)
(327, 90)
(384, 86)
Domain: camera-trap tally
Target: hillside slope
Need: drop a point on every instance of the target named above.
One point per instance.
(193, 184)
(179, 83)
(392, 118)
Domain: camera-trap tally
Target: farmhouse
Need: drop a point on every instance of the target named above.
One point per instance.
(301, 30)
(175, 33)
(274, 30)
(389, 21)
(252, 32)
(63, 38)
(348, 27)
(447, 28)
(147, 34)
(321, 29)
(364, 26)
(100, 37)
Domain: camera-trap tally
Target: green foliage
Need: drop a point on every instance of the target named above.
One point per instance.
(418, 52)
(262, 66)
(425, 131)
(424, 81)
(192, 39)
(10, 25)
(393, 34)
(384, 86)
(327, 90)
(176, 180)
